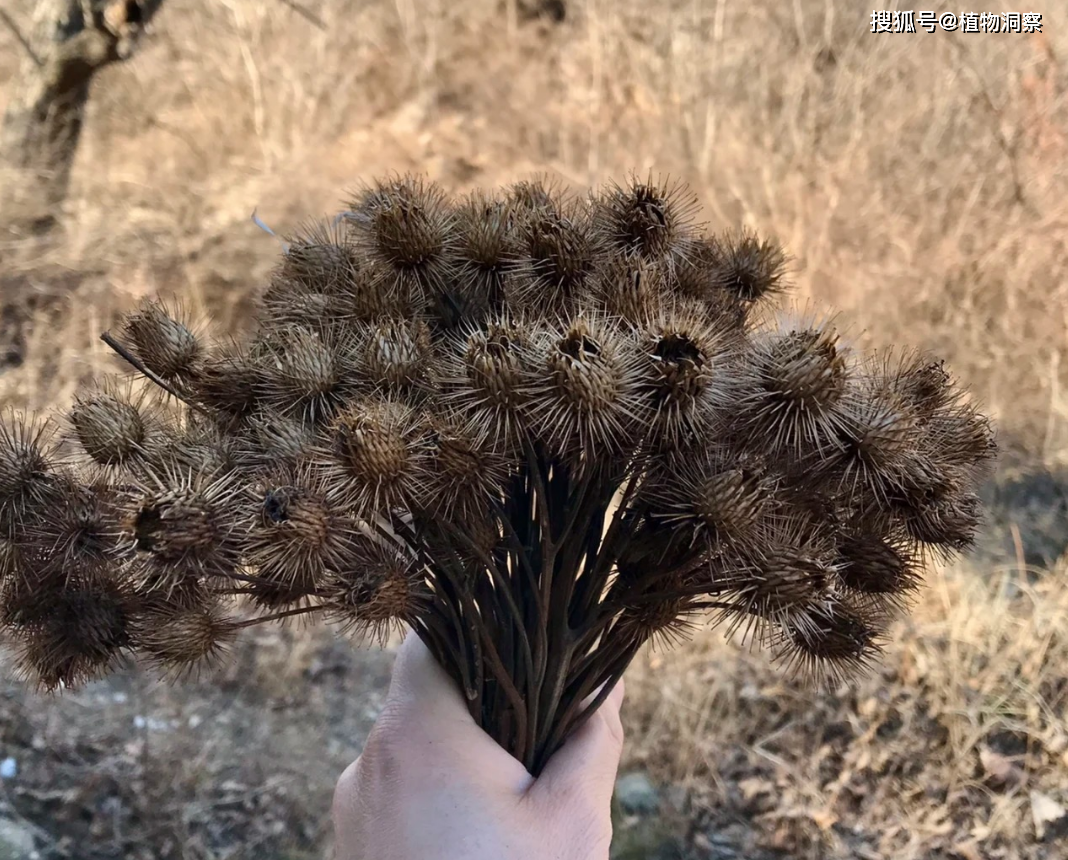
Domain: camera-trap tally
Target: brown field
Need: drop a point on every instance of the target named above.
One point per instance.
(918, 182)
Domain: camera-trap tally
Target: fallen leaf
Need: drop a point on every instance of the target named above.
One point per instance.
(1046, 812)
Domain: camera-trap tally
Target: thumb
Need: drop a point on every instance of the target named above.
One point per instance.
(586, 765)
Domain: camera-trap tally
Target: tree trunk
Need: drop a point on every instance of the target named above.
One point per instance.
(69, 42)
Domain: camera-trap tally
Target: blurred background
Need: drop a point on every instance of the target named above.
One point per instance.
(918, 182)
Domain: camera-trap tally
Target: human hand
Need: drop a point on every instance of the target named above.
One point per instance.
(432, 785)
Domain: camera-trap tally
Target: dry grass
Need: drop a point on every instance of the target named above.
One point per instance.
(917, 181)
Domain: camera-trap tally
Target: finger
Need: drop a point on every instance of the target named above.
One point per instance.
(586, 765)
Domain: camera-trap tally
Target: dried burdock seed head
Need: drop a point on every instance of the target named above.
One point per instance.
(666, 621)
(834, 644)
(227, 382)
(384, 588)
(78, 531)
(397, 354)
(465, 465)
(538, 194)
(185, 520)
(872, 565)
(724, 495)
(921, 379)
(406, 226)
(110, 425)
(162, 342)
(800, 375)
(692, 370)
(629, 287)
(298, 533)
(697, 278)
(649, 219)
(948, 522)
(553, 258)
(274, 439)
(303, 373)
(484, 240)
(181, 640)
(85, 627)
(26, 471)
(748, 267)
(483, 373)
(320, 259)
(960, 437)
(583, 397)
(377, 455)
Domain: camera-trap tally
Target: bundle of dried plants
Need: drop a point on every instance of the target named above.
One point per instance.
(538, 429)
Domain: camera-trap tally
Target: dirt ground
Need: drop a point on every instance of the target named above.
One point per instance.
(918, 183)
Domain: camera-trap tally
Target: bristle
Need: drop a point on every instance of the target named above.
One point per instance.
(165, 344)
(26, 471)
(652, 220)
(583, 397)
(298, 534)
(376, 455)
(110, 425)
(385, 588)
(185, 639)
(748, 267)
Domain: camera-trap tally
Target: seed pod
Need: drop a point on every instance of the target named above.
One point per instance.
(186, 521)
(553, 258)
(698, 278)
(274, 440)
(630, 288)
(920, 379)
(875, 437)
(877, 572)
(85, 628)
(721, 494)
(377, 456)
(227, 382)
(303, 373)
(26, 472)
(397, 354)
(834, 644)
(484, 239)
(800, 374)
(78, 532)
(665, 621)
(165, 345)
(319, 260)
(483, 374)
(692, 371)
(536, 195)
(647, 219)
(947, 522)
(297, 535)
(749, 268)
(465, 466)
(185, 638)
(406, 226)
(111, 425)
(583, 397)
(960, 437)
(384, 588)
